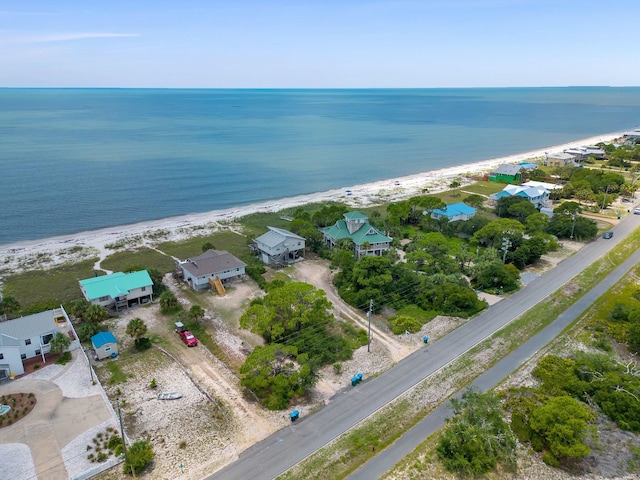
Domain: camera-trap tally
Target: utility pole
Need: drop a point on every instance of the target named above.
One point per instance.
(573, 223)
(124, 440)
(604, 199)
(369, 317)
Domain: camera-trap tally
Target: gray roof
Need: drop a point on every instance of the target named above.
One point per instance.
(506, 169)
(563, 156)
(29, 326)
(212, 262)
(275, 236)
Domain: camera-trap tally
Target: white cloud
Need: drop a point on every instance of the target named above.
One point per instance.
(69, 37)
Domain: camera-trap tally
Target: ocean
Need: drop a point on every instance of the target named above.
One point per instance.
(73, 160)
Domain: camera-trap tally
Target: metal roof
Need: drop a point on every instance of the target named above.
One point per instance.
(366, 233)
(115, 284)
(29, 326)
(506, 169)
(102, 338)
(212, 262)
(455, 209)
(275, 236)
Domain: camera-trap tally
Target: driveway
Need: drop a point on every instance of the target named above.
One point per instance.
(50, 442)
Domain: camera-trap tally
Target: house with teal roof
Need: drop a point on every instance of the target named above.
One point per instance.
(454, 212)
(118, 289)
(366, 239)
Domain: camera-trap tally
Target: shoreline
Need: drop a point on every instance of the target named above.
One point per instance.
(189, 225)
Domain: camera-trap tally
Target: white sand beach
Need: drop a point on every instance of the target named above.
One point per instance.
(56, 250)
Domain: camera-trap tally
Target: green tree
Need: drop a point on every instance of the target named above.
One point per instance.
(474, 200)
(156, 278)
(562, 424)
(476, 439)
(536, 223)
(493, 234)
(95, 314)
(496, 276)
(59, 343)
(276, 374)
(168, 302)
(208, 246)
(77, 308)
(402, 324)
(136, 328)
(195, 313)
(9, 306)
(139, 456)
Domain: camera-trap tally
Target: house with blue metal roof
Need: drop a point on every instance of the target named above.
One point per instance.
(118, 289)
(366, 239)
(28, 337)
(105, 345)
(454, 212)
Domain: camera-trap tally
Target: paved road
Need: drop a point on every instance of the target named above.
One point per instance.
(385, 460)
(279, 452)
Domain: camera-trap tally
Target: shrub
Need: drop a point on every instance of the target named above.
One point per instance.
(402, 324)
(142, 344)
(139, 455)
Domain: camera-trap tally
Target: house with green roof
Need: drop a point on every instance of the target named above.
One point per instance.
(366, 239)
(118, 289)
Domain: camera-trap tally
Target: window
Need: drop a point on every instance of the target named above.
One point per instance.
(38, 352)
(108, 349)
(103, 299)
(1, 356)
(23, 356)
(27, 341)
(46, 338)
(144, 288)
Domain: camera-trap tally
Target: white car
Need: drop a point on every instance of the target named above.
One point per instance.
(636, 211)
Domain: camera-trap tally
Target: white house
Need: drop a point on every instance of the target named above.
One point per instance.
(584, 153)
(105, 345)
(454, 212)
(27, 337)
(538, 196)
(118, 289)
(279, 247)
(214, 265)
(561, 160)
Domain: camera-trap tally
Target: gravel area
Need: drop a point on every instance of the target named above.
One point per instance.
(17, 463)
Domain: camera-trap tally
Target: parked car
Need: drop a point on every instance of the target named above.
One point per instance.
(607, 234)
(187, 337)
(636, 211)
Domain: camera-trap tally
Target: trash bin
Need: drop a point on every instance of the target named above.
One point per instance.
(425, 339)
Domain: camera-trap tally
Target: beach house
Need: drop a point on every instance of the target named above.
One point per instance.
(279, 248)
(506, 173)
(583, 154)
(538, 196)
(28, 337)
(355, 227)
(118, 290)
(211, 269)
(105, 345)
(454, 212)
(561, 160)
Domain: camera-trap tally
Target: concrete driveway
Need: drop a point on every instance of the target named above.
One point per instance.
(50, 442)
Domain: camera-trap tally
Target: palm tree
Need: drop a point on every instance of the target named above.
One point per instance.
(168, 301)
(9, 305)
(59, 343)
(196, 312)
(95, 314)
(136, 328)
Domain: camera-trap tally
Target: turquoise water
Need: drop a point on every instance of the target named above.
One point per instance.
(79, 159)
(4, 409)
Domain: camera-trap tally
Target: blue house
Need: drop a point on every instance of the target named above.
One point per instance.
(105, 345)
(454, 212)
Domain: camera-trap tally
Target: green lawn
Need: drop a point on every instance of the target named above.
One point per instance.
(38, 290)
(225, 240)
(139, 259)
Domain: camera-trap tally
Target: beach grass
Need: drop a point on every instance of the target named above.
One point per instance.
(38, 290)
(139, 259)
(227, 240)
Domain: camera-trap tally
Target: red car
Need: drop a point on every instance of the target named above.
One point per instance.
(187, 337)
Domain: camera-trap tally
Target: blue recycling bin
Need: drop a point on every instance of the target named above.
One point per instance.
(425, 339)
(294, 415)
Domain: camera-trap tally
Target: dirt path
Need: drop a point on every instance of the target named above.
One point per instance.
(318, 274)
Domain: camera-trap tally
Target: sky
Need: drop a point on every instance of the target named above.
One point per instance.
(318, 43)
